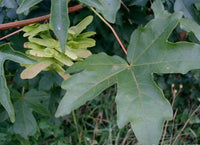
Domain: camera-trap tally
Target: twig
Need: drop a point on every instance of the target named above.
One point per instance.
(126, 137)
(173, 126)
(34, 20)
(11, 34)
(124, 6)
(175, 94)
(185, 125)
(114, 32)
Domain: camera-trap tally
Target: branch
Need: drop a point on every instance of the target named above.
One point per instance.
(112, 29)
(34, 20)
(11, 34)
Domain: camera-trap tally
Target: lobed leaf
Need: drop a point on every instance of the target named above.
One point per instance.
(7, 53)
(108, 8)
(139, 100)
(25, 124)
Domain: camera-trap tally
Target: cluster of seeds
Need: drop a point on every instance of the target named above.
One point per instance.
(45, 49)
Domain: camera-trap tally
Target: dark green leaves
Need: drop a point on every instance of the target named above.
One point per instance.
(60, 21)
(139, 100)
(108, 8)
(7, 53)
(26, 4)
(25, 123)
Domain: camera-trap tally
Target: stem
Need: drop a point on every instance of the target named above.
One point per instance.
(114, 32)
(185, 125)
(11, 34)
(166, 125)
(34, 20)
(124, 6)
(76, 125)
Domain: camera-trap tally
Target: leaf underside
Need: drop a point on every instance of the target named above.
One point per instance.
(139, 100)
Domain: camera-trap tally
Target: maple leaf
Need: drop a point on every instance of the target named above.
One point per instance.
(108, 9)
(7, 53)
(139, 100)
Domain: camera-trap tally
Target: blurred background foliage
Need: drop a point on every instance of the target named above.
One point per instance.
(94, 123)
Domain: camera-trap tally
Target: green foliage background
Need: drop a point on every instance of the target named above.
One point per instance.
(95, 122)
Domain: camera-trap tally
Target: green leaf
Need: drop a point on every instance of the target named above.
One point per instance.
(7, 53)
(39, 108)
(107, 8)
(158, 9)
(139, 2)
(197, 5)
(186, 6)
(139, 100)
(27, 4)
(25, 123)
(59, 20)
(46, 84)
(190, 26)
(9, 4)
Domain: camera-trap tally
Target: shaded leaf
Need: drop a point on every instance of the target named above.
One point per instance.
(25, 123)
(9, 4)
(39, 108)
(46, 84)
(107, 8)
(139, 100)
(7, 53)
(186, 6)
(190, 26)
(27, 4)
(139, 2)
(59, 20)
(197, 5)
(35, 96)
